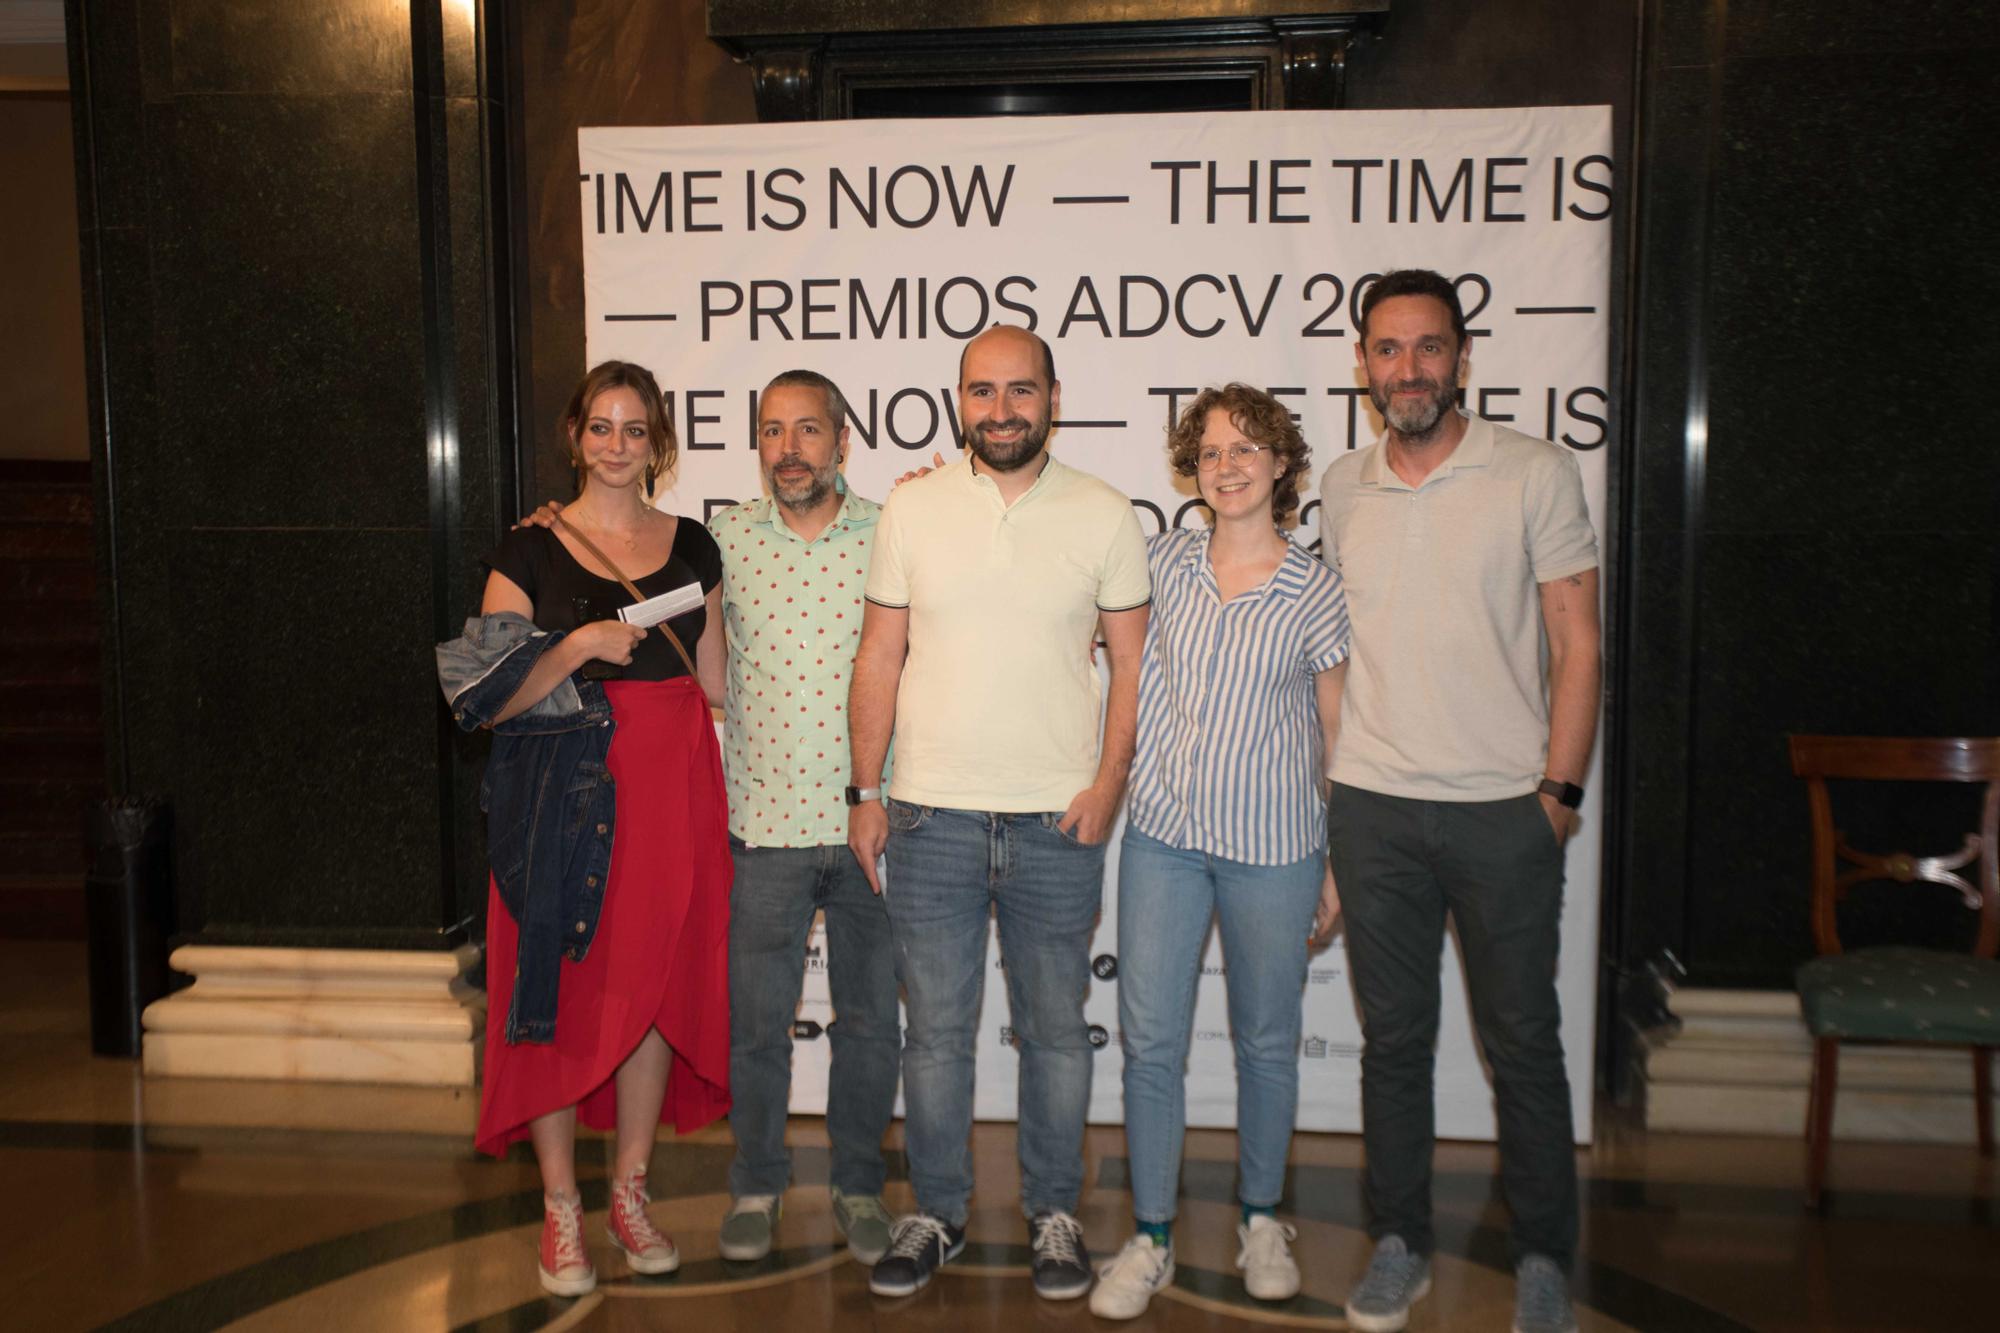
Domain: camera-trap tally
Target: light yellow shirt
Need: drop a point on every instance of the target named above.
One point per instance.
(1000, 707)
(1446, 696)
(791, 610)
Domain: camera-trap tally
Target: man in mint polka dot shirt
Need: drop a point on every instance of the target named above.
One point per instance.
(793, 565)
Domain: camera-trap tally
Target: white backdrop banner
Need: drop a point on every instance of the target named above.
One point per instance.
(1156, 254)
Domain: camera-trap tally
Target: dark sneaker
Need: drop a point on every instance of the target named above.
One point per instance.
(1395, 1280)
(919, 1245)
(1541, 1297)
(1062, 1265)
(746, 1229)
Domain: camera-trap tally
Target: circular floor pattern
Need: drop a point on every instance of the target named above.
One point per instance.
(471, 1269)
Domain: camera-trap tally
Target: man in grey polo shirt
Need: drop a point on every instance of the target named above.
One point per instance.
(987, 579)
(1468, 713)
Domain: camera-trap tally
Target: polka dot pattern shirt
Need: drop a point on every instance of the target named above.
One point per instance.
(792, 616)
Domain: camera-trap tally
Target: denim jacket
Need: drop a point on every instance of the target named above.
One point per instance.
(547, 795)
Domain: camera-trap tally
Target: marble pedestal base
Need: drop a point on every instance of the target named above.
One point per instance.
(1742, 1062)
(320, 1015)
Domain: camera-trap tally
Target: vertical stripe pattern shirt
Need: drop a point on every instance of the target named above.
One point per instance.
(791, 611)
(1228, 760)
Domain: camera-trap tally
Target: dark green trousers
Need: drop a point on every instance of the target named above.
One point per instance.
(1401, 865)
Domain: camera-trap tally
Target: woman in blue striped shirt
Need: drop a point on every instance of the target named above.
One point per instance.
(1238, 706)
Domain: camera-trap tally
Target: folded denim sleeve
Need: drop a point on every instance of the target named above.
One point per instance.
(482, 669)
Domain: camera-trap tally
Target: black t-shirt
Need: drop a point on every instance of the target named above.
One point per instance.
(566, 595)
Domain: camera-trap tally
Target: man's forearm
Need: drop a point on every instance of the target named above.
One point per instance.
(1575, 680)
(871, 715)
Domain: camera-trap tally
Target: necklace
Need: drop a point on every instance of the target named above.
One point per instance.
(631, 539)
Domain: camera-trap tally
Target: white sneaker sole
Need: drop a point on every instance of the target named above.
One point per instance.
(566, 1286)
(1263, 1290)
(1388, 1323)
(639, 1263)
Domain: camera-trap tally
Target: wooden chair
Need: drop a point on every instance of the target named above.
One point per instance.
(1890, 993)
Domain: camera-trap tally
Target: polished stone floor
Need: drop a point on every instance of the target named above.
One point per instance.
(196, 1205)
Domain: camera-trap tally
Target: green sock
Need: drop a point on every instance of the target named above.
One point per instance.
(1161, 1232)
(1251, 1210)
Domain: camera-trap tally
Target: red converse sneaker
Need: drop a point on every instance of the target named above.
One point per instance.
(646, 1250)
(564, 1264)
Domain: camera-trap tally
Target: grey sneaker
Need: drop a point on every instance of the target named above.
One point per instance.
(1395, 1280)
(865, 1222)
(1541, 1297)
(746, 1228)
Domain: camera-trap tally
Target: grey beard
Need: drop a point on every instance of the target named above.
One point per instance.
(1419, 423)
(814, 493)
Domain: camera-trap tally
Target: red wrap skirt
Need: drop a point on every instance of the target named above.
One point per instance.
(660, 958)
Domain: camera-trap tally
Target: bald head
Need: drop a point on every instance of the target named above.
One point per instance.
(1009, 333)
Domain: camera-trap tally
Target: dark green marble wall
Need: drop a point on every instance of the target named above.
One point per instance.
(1812, 526)
(297, 443)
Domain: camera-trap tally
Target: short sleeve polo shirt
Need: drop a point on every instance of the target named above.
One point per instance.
(1446, 696)
(1000, 707)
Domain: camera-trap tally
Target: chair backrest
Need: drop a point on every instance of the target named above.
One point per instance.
(1902, 759)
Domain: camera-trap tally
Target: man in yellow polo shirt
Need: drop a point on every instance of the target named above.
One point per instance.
(987, 580)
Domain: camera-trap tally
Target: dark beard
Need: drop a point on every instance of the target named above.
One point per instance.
(1010, 457)
(1420, 423)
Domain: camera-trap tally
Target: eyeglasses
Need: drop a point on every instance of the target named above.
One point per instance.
(1208, 460)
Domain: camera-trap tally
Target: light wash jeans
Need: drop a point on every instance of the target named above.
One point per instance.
(950, 871)
(1166, 898)
(771, 908)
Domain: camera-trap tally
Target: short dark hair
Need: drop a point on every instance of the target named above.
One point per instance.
(1263, 420)
(836, 401)
(1414, 282)
(1048, 357)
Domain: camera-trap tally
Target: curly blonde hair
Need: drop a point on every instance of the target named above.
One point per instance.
(1263, 420)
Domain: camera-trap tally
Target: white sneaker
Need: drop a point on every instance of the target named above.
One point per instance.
(1266, 1258)
(1127, 1283)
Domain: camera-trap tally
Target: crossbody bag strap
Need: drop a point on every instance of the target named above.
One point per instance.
(632, 588)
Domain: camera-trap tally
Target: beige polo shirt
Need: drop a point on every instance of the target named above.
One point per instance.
(1446, 695)
(1000, 707)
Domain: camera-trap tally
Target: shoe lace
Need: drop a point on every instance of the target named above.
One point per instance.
(1057, 1236)
(1138, 1260)
(909, 1237)
(628, 1205)
(1266, 1243)
(567, 1215)
(753, 1203)
(1389, 1271)
(861, 1206)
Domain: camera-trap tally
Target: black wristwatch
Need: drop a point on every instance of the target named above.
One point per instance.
(1567, 794)
(856, 795)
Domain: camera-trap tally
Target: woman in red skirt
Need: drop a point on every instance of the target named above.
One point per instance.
(609, 912)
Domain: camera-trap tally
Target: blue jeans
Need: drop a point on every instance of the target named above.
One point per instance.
(1166, 898)
(771, 909)
(949, 872)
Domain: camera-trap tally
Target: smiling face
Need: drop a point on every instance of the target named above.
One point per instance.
(1005, 400)
(614, 439)
(1413, 363)
(797, 446)
(1235, 488)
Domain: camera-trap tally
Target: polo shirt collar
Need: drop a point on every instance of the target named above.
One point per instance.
(854, 512)
(984, 481)
(1288, 580)
(1475, 449)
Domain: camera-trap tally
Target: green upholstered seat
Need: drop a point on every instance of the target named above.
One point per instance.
(1902, 994)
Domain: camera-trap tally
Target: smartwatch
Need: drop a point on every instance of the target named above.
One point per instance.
(1567, 794)
(856, 795)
